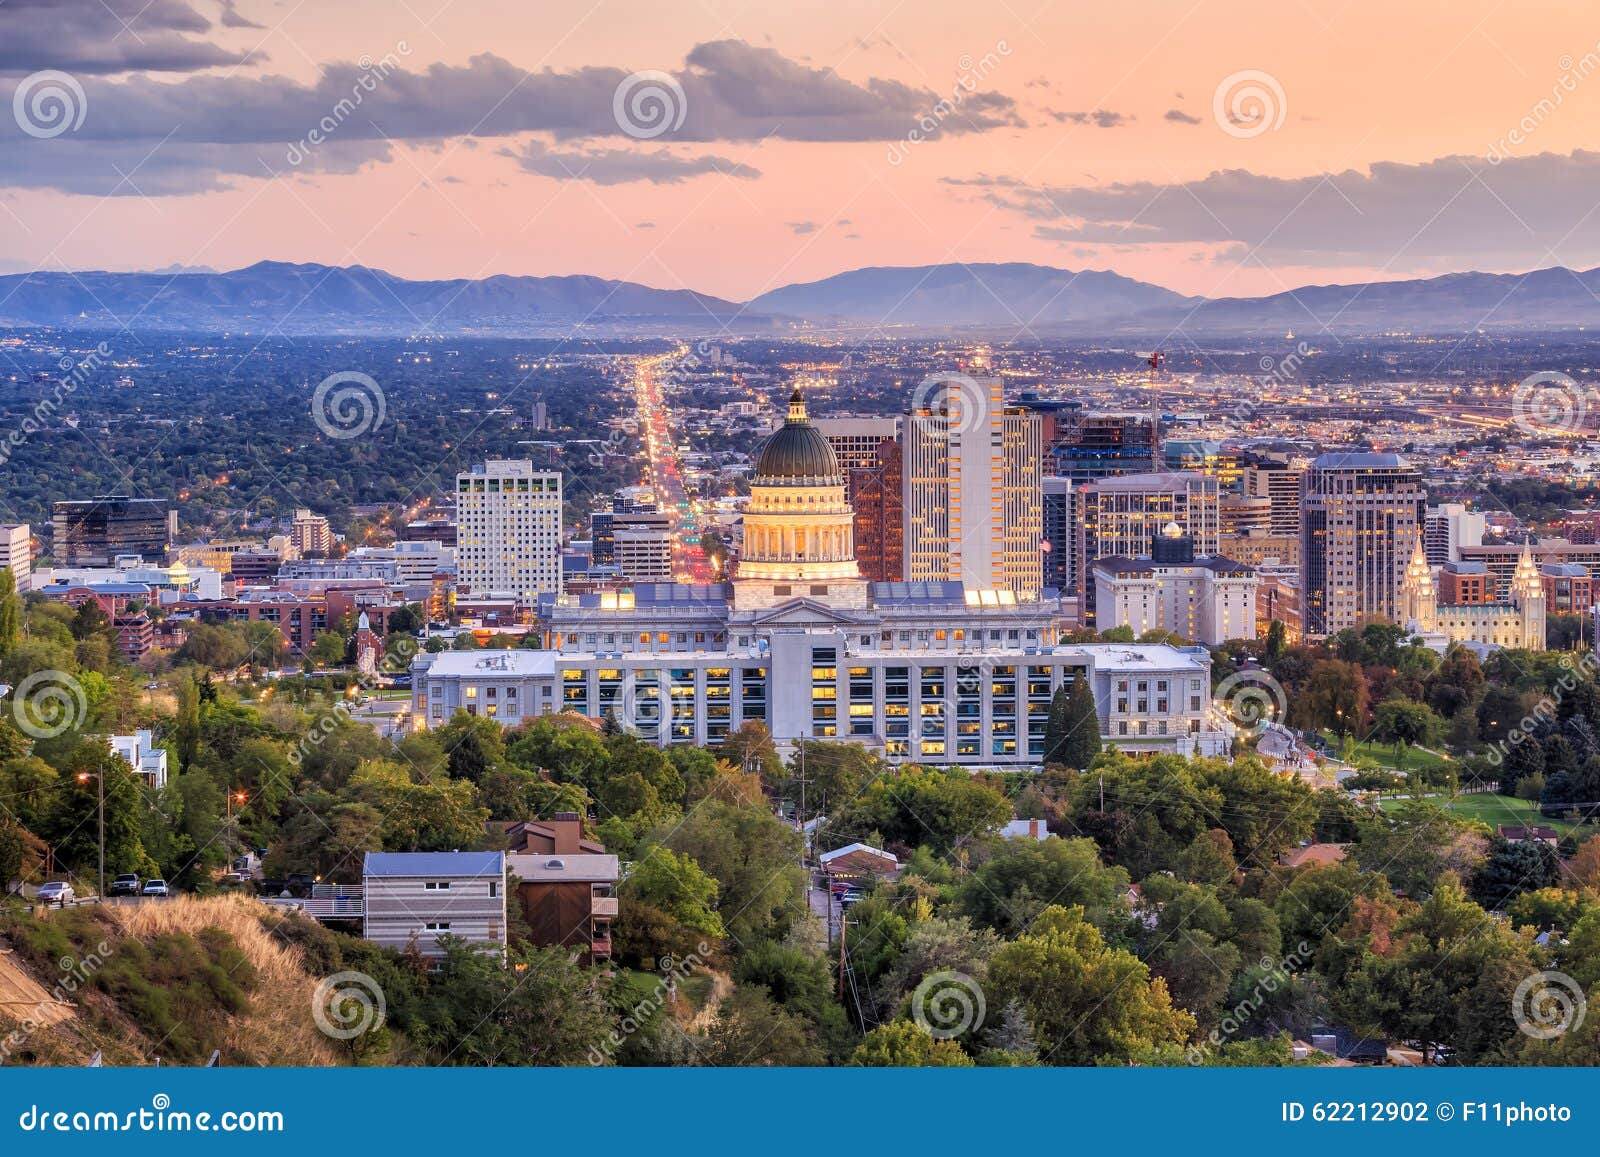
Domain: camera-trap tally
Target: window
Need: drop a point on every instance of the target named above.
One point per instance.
(436, 886)
(438, 926)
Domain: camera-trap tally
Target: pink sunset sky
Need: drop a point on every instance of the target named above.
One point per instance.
(1397, 138)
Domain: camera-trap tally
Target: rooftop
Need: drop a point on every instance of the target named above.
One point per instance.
(434, 864)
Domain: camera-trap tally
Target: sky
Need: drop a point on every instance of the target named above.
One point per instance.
(1216, 147)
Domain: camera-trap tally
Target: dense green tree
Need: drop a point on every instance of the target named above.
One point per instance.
(1416, 843)
(1009, 891)
(10, 611)
(1405, 724)
(755, 859)
(1087, 1003)
(752, 1030)
(1072, 729)
(1514, 868)
(677, 886)
(905, 1044)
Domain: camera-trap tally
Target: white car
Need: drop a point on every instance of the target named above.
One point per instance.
(57, 892)
(155, 888)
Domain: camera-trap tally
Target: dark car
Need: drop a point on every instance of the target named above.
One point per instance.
(127, 884)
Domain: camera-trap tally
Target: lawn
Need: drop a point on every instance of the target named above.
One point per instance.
(1492, 809)
(1382, 754)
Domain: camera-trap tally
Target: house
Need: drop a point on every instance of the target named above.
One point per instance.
(560, 835)
(1535, 834)
(1340, 1041)
(1025, 830)
(858, 863)
(417, 897)
(569, 900)
(148, 761)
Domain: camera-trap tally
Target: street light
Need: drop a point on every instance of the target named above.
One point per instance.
(100, 781)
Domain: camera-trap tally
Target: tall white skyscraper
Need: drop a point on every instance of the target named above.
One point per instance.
(16, 554)
(973, 488)
(509, 529)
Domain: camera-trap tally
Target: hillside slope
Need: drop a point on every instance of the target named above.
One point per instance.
(173, 981)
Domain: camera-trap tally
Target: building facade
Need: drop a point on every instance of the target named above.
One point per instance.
(414, 898)
(1202, 600)
(509, 526)
(16, 554)
(972, 486)
(1362, 514)
(97, 531)
(1125, 515)
(1517, 623)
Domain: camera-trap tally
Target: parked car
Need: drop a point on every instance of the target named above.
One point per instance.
(57, 892)
(155, 888)
(127, 884)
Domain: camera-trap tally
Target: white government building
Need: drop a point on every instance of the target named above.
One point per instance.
(932, 672)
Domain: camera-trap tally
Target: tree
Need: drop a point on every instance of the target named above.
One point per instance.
(1277, 640)
(328, 649)
(1451, 982)
(1513, 868)
(1087, 1003)
(1335, 698)
(751, 747)
(1403, 723)
(91, 621)
(828, 776)
(420, 813)
(1009, 891)
(905, 1044)
(10, 611)
(1072, 730)
(1416, 843)
(751, 1030)
(753, 856)
(676, 886)
(940, 807)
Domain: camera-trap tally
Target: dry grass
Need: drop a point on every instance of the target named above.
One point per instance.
(278, 1029)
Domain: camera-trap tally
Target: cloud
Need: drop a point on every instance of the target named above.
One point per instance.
(1100, 118)
(728, 91)
(94, 37)
(622, 166)
(801, 228)
(1183, 118)
(233, 18)
(1522, 212)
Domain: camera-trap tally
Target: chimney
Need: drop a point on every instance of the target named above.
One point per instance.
(568, 827)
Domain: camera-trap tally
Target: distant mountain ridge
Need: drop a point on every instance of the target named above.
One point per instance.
(1009, 298)
(273, 295)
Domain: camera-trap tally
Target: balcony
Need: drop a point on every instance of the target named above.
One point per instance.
(603, 906)
(600, 948)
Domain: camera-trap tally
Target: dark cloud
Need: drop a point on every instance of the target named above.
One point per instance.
(1526, 211)
(93, 37)
(1183, 118)
(729, 91)
(233, 18)
(801, 228)
(622, 166)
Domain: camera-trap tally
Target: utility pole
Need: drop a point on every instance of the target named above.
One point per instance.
(100, 781)
(842, 923)
(1102, 793)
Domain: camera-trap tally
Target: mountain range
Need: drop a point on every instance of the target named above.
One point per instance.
(1012, 297)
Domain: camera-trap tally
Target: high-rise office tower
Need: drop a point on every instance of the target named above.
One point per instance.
(642, 543)
(1278, 480)
(95, 531)
(1125, 516)
(1206, 457)
(1098, 445)
(855, 440)
(1447, 528)
(1058, 534)
(973, 489)
(875, 493)
(509, 539)
(1362, 517)
(16, 554)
